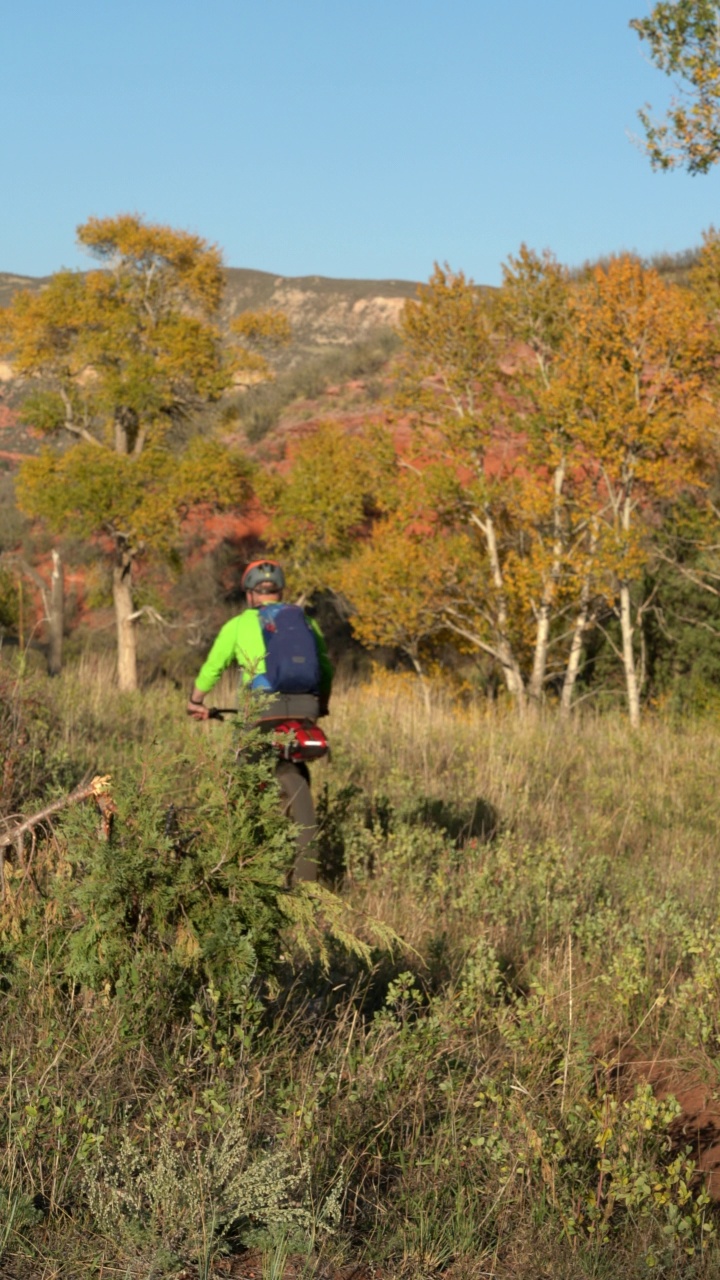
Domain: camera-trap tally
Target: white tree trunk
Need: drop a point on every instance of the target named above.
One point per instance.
(573, 663)
(626, 623)
(631, 681)
(542, 639)
(511, 670)
(572, 668)
(124, 618)
(536, 686)
(422, 679)
(56, 616)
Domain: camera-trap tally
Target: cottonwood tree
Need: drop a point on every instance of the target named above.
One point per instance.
(684, 41)
(635, 388)
(130, 506)
(323, 503)
(114, 359)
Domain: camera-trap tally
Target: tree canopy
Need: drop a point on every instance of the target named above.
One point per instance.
(684, 41)
(554, 426)
(115, 357)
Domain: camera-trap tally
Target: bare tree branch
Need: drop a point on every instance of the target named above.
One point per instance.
(96, 787)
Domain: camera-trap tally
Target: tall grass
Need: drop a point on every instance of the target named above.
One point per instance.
(493, 1096)
(651, 793)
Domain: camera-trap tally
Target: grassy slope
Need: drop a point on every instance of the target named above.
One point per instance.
(492, 1101)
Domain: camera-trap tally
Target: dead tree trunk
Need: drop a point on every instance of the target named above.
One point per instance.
(628, 655)
(53, 602)
(98, 788)
(125, 619)
(56, 616)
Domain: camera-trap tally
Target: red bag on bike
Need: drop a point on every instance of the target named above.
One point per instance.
(296, 741)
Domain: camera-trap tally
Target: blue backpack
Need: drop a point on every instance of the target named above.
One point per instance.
(291, 656)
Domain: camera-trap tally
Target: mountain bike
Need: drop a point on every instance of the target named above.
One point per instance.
(294, 743)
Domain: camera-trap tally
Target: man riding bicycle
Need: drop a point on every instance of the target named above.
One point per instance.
(283, 656)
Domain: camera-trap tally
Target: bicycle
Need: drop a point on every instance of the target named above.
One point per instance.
(295, 743)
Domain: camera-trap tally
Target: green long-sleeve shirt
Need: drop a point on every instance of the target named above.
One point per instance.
(241, 640)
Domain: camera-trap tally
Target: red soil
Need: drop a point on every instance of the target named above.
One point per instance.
(697, 1126)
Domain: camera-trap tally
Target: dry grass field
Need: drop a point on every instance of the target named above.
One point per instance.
(488, 1048)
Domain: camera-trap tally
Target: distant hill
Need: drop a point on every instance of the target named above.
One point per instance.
(323, 312)
(340, 329)
(9, 284)
(338, 362)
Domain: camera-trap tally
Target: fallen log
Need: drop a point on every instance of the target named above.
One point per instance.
(97, 788)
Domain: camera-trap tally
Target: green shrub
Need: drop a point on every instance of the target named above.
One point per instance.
(167, 1201)
(186, 894)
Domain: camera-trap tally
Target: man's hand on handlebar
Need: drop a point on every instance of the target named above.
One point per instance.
(196, 707)
(197, 710)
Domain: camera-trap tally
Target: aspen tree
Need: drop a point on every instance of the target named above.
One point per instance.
(394, 585)
(322, 508)
(532, 312)
(450, 384)
(634, 384)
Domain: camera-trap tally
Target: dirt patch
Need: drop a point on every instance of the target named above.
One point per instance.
(697, 1127)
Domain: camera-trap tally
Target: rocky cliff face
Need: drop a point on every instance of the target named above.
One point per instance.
(323, 312)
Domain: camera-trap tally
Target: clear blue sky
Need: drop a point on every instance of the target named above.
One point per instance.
(362, 138)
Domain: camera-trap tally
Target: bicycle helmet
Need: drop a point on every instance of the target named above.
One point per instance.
(263, 571)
